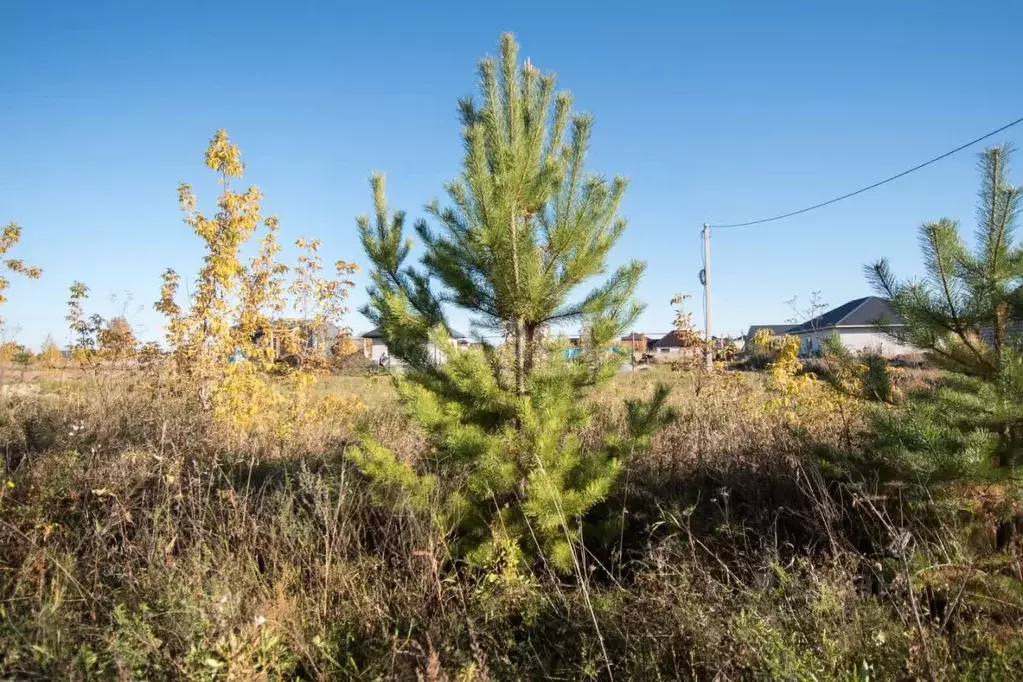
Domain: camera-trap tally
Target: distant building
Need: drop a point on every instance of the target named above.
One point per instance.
(634, 343)
(672, 344)
(290, 335)
(372, 344)
(374, 347)
(856, 324)
(637, 343)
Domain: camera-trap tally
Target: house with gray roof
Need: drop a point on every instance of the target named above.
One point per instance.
(856, 324)
(774, 329)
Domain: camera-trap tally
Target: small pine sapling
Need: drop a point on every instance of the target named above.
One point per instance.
(508, 477)
(964, 315)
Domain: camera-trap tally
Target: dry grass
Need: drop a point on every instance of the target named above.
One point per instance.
(139, 542)
(375, 390)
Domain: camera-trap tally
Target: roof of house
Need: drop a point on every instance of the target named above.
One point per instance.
(776, 329)
(376, 333)
(863, 312)
(669, 340)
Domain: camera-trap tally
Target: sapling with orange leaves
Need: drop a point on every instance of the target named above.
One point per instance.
(205, 334)
(321, 301)
(9, 237)
(116, 339)
(84, 329)
(222, 337)
(262, 295)
(685, 333)
(50, 356)
(229, 300)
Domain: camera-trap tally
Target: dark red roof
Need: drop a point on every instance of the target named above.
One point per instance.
(670, 340)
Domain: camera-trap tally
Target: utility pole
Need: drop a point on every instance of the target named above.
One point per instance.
(705, 277)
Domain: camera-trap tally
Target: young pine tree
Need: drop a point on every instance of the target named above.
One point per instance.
(507, 474)
(964, 314)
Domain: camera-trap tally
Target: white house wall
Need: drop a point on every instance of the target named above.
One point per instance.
(856, 340)
(379, 350)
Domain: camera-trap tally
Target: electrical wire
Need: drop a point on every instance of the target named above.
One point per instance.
(876, 184)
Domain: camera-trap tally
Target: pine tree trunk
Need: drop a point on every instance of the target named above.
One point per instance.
(520, 327)
(1005, 534)
(998, 329)
(1005, 530)
(530, 338)
(520, 357)
(1009, 446)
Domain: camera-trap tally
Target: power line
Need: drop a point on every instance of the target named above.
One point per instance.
(876, 184)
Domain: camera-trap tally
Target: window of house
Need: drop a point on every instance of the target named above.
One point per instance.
(664, 350)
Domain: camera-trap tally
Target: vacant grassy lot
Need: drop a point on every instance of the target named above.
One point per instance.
(141, 540)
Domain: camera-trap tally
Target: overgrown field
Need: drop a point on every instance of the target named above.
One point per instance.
(139, 539)
(249, 499)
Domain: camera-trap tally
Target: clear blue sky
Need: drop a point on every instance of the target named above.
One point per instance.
(717, 112)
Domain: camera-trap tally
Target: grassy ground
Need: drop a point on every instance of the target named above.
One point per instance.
(138, 540)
